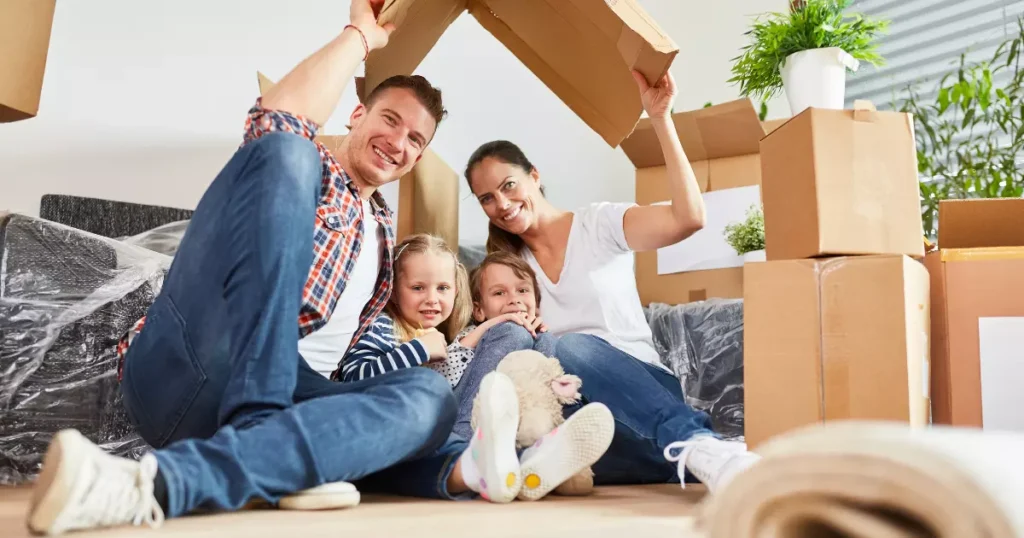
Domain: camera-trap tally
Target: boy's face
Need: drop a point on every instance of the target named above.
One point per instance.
(503, 292)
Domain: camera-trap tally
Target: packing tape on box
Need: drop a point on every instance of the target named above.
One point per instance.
(981, 254)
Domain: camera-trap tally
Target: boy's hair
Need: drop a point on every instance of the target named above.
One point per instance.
(514, 262)
(426, 94)
(461, 305)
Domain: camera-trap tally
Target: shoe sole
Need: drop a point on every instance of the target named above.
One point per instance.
(500, 412)
(53, 485)
(590, 431)
(330, 496)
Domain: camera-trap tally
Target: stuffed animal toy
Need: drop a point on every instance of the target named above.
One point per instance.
(543, 389)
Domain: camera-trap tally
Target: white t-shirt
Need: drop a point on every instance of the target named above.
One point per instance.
(324, 348)
(596, 292)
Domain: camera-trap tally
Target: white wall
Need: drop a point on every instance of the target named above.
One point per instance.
(145, 101)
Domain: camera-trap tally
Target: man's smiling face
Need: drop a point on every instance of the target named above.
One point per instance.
(388, 137)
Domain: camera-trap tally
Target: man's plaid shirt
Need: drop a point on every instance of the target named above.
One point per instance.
(337, 234)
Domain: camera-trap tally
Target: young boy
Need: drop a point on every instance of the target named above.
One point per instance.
(502, 288)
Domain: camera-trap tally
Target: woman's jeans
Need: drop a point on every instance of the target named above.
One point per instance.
(646, 401)
(215, 381)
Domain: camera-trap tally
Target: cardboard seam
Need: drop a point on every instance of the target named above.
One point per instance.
(819, 275)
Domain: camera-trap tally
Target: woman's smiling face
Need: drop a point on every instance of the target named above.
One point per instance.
(506, 193)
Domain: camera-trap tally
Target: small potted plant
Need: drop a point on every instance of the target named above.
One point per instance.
(806, 52)
(747, 237)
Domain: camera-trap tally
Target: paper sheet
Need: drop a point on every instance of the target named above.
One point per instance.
(707, 249)
(1001, 342)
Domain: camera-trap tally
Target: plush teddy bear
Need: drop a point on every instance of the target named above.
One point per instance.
(543, 388)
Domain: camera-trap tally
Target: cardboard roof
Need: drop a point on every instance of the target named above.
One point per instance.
(725, 130)
(583, 50)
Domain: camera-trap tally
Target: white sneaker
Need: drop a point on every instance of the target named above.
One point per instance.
(329, 496)
(568, 449)
(713, 461)
(82, 487)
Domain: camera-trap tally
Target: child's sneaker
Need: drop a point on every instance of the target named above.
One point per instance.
(566, 450)
(82, 487)
(329, 496)
(712, 460)
(490, 465)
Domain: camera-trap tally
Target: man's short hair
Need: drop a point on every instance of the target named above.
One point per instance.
(428, 95)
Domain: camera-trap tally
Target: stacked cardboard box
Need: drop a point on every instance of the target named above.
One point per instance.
(721, 143)
(836, 321)
(978, 314)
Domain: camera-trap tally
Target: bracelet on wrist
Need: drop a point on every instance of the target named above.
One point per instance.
(366, 45)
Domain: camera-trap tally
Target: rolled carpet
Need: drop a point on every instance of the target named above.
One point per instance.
(877, 480)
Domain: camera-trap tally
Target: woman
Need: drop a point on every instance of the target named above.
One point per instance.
(584, 264)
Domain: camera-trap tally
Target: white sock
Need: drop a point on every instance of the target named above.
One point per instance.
(566, 450)
(490, 466)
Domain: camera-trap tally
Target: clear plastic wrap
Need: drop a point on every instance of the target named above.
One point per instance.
(66, 297)
(163, 239)
(702, 343)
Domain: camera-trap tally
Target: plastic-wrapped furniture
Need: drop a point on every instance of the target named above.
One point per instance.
(66, 296)
(702, 343)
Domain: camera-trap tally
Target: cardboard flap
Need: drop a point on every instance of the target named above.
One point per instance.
(726, 130)
(418, 26)
(25, 28)
(583, 50)
(981, 222)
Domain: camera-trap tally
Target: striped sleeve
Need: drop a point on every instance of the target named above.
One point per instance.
(376, 353)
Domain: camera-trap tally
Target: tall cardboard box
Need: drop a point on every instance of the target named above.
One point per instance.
(24, 43)
(833, 339)
(584, 51)
(978, 314)
(431, 184)
(721, 143)
(841, 182)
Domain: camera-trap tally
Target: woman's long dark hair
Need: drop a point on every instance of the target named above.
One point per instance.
(499, 240)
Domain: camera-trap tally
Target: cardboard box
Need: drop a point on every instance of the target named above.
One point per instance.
(24, 44)
(976, 286)
(431, 185)
(841, 182)
(832, 339)
(583, 50)
(721, 143)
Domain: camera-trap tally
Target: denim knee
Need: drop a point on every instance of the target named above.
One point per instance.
(576, 351)
(510, 335)
(293, 163)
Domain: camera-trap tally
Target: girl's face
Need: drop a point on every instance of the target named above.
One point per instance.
(506, 193)
(425, 288)
(503, 292)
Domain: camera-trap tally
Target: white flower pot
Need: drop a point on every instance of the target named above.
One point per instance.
(816, 78)
(754, 256)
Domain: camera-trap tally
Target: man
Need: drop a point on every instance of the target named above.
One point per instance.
(288, 254)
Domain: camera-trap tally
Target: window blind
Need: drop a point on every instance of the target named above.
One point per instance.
(924, 42)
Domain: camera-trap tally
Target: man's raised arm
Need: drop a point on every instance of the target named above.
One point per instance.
(313, 88)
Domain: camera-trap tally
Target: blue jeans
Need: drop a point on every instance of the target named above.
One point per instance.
(646, 401)
(215, 381)
(497, 342)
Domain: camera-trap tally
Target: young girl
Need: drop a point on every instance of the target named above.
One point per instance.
(428, 306)
(430, 302)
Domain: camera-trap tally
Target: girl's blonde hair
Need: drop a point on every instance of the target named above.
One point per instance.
(462, 305)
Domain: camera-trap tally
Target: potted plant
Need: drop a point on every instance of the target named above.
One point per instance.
(970, 130)
(806, 52)
(747, 237)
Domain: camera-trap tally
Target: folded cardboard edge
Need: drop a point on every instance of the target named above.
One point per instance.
(643, 151)
(981, 254)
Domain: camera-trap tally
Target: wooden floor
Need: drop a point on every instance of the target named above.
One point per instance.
(621, 512)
